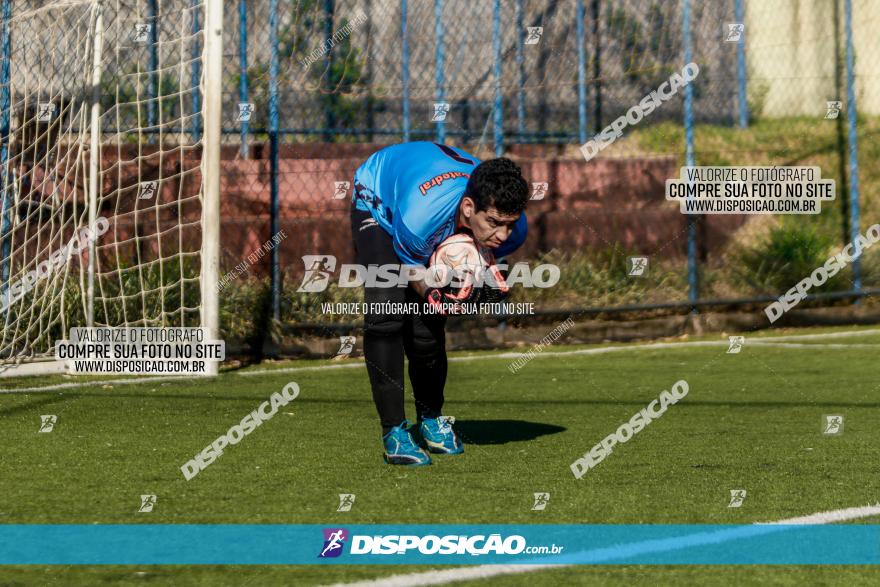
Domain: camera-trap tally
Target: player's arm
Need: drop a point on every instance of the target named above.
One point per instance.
(421, 287)
(411, 250)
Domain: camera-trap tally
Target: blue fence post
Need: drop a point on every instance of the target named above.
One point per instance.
(498, 122)
(152, 81)
(440, 66)
(404, 73)
(195, 53)
(739, 15)
(329, 112)
(597, 67)
(521, 71)
(582, 73)
(693, 283)
(851, 116)
(243, 93)
(6, 224)
(273, 154)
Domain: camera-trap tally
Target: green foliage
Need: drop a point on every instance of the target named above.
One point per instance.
(125, 96)
(333, 88)
(166, 293)
(601, 278)
(871, 266)
(245, 306)
(646, 51)
(240, 303)
(756, 98)
(786, 255)
(341, 78)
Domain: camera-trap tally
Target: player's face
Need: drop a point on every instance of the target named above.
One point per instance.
(490, 227)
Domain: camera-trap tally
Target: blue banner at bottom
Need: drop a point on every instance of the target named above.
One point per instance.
(354, 544)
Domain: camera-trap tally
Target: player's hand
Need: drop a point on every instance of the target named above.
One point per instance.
(495, 288)
(448, 300)
(491, 295)
(440, 301)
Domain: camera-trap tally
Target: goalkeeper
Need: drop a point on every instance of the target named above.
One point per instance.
(408, 198)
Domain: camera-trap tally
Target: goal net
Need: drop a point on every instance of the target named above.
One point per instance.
(108, 134)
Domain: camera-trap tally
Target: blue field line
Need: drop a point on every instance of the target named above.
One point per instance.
(589, 544)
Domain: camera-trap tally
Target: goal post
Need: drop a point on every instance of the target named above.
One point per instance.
(94, 156)
(213, 88)
(109, 170)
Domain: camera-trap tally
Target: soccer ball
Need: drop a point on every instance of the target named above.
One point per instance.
(456, 262)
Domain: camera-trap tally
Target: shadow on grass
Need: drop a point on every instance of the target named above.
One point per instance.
(503, 431)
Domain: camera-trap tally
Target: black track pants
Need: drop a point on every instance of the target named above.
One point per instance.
(388, 336)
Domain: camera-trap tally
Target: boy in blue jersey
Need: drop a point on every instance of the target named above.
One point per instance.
(407, 199)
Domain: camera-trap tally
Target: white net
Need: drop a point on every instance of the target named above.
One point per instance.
(119, 246)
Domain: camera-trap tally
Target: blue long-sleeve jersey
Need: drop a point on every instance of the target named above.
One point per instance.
(413, 191)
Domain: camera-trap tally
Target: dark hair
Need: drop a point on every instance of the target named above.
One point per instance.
(498, 183)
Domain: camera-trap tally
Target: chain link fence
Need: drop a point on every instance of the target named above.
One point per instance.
(534, 81)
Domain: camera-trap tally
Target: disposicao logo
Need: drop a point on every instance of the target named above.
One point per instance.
(334, 541)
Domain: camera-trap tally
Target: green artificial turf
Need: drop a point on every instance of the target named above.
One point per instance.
(750, 421)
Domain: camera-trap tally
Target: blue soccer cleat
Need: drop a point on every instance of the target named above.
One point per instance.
(440, 437)
(401, 449)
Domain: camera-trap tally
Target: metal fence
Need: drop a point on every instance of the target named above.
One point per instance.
(534, 80)
(514, 71)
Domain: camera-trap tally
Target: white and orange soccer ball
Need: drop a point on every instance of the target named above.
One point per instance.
(456, 261)
(462, 264)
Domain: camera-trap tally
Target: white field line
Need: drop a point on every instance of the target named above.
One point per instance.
(834, 516)
(806, 345)
(590, 351)
(764, 341)
(79, 384)
(821, 335)
(604, 554)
